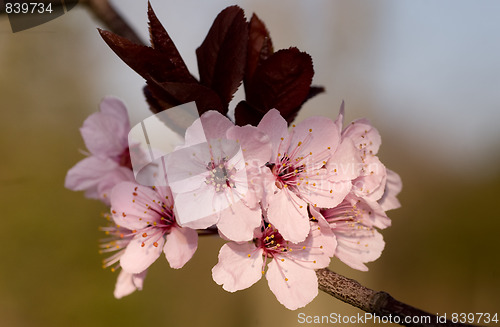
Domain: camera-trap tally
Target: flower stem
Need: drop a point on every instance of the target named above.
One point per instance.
(379, 303)
(106, 13)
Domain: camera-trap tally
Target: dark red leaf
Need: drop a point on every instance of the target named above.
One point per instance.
(282, 82)
(161, 41)
(146, 61)
(314, 91)
(222, 55)
(158, 98)
(177, 120)
(206, 99)
(245, 114)
(260, 46)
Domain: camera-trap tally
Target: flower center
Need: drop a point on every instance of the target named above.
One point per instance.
(271, 241)
(124, 159)
(276, 248)
(220, 175)
(163, 218)
(287, 175)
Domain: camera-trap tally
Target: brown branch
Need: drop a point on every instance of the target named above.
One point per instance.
(377, 303)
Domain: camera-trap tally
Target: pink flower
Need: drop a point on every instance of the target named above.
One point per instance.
(213, 170)
(393, 187)
(290, 271)
(147, 213)
(372, 178)
(105, 134)
(353, 224)
(298, 174)
(117, 241)
(374, 181)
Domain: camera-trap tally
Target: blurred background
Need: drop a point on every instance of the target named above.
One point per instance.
(426, 73)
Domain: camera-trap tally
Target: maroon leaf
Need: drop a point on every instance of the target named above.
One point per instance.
(146, 61)
(314, 91)
(161, 41)
(260, 46)
(222, 55)
(178, 120)
(282, 82)
(158, 98)
(245, 114)
(206, 99)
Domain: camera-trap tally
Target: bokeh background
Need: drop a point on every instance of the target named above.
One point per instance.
(426, 73)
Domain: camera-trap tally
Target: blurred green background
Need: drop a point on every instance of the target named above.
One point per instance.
(427, 75)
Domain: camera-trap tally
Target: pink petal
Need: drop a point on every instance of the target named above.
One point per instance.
(200, 216)
(345, 163)
(127, 283)
(180, 246)
(364, 136)
(238, 222)
(255, 144)
(186, 168)
(211, 125)
(115, 107)
(339, 121)
(357, 246)
(288, 214)
(137, 258)
(317, 135)
(293, 285)
(275, 127)
(321, 192)
(265, 185)
(370, 213)
(321, 236)
(317, 249)
(371, 185)
(86, 175)
(393, 187)
(111, 179)
(129, 210)
(105, 133)
(256, 178)
(239, 266)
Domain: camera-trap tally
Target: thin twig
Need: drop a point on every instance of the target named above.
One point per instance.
(113, 21)
(103, 11)
(378, 303)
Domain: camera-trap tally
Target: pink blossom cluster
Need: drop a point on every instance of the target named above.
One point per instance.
(286, 200)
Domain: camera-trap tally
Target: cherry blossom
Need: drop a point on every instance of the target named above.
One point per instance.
(215, 169)
(286, 199)
(290, 267)
(298, 174)
(374, 181)
(148, 214)
(373, 174)
(353, 224)
(105, 134)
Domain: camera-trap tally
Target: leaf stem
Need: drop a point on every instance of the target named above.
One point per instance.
(379, 303)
